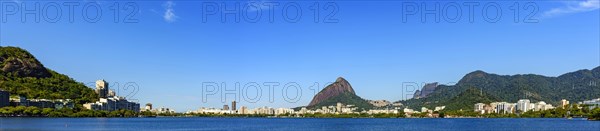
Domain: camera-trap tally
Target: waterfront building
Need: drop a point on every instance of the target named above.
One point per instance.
(113, 104)
(488, 109)
(494, 106)
(102, 88)
(523, 105)
(148, 107)
(264, 110)
(592, 103)
(533, 107)
(439, 108)
(339, 107)
(42, 103)
(505, 107)
(281, 111)
(233, 106)
(204, 110)
(564, 103)
(108, 102)
(479, 107)
(243, 110)
(225, 107)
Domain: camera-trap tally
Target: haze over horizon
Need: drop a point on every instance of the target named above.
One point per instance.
(170, 52)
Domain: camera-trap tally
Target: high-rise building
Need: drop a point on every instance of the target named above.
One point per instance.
(243, 110)
(233, 106)
(109, 101)
(523, 105)
(504, 107)
(339, 107)
(225, 107)
(102, 88)
(4, 98)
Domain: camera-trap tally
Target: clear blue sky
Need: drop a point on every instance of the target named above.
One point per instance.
(170, 51)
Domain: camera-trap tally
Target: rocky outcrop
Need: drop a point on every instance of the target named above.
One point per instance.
(417, 94)
(339, 87)
(21, 63)
(425, 91)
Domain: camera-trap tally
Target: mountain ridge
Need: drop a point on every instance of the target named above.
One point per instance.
(574, 86)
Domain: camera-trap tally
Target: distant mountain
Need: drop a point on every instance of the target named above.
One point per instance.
(425, 91)
(575, 86)
(21, 74)
(340, 91)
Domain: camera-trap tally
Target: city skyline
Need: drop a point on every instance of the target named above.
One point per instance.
(169, 53)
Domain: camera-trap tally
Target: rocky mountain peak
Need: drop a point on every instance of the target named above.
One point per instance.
(340, 86)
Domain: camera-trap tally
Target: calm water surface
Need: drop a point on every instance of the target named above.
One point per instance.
(361, 124)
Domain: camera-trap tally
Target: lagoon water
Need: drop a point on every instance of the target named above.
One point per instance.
(199, 123)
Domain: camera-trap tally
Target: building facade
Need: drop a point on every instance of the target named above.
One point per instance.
(109, 101)
(523, 105)
(102, 88)
(233, 106)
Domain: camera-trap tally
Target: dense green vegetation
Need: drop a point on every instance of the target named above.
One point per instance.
(466, 99)
(32, 111)
(22, 75)
(595, 114)
(345, 98)
(575, 86)
(570, 111)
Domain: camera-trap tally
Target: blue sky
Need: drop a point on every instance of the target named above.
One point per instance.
(170, 52)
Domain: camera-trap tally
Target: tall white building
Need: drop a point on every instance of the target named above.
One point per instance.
(564, 103)
(108, 102)
(505, 107)
(102, 88)
(523, 105)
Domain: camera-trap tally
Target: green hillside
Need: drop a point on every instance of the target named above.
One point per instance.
(346, 99)
(23, 75)
(575, 86)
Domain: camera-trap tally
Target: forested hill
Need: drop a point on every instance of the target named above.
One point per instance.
(574, 86)
(22, 74)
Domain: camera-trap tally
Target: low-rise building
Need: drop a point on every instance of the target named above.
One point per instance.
(592, 103)
(479, 108)
(42, 103)
(113, 104)
(522, 105)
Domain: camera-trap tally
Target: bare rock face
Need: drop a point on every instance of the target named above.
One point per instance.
(21, 63)
(417, 94)
(339, 87)
(425, 91)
